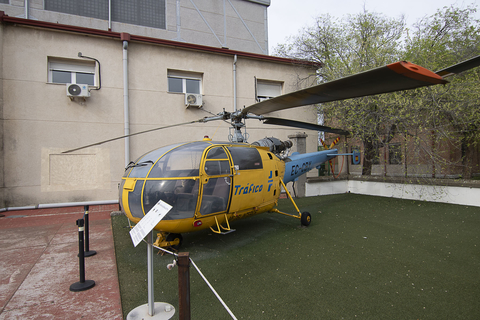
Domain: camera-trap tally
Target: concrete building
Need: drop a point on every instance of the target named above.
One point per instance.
(77, 72)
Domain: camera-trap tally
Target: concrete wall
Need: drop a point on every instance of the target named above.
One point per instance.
(2, 184)
(234, 24)
(445, 194)
(40, 121)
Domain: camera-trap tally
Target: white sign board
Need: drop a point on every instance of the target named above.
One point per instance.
(147, 223)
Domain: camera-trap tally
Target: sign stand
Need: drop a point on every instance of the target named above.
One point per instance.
(151, 310)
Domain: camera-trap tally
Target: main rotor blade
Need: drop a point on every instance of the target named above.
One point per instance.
(460, 67)
(303, 125)
(397, 76)
(130, 135)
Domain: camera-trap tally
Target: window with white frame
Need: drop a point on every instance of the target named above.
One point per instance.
(184, 82)
(268, 89)
(71, 71)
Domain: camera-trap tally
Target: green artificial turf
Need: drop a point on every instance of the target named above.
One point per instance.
(362, 257)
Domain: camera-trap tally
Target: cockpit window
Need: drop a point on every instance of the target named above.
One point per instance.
(134, 200)
(246, 158)
(183, 161)
(181, 194)
(217, 153)
(140, 167)
(215, 168)
(217, 162)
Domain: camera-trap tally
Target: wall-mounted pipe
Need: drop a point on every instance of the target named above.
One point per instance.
(179, 24)
(224, 24)
(125, 37)
(80, 55)
(61, 205)
(266, 51)
(235, 83)
(27, 9)
(109, 15)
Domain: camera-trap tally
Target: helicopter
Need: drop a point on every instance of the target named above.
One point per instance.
(209, 183)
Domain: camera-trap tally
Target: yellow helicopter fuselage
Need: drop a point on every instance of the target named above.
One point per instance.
(206, 183)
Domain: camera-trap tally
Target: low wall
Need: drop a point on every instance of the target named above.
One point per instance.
(447, 194)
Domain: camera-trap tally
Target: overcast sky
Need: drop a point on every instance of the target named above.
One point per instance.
(287, 17)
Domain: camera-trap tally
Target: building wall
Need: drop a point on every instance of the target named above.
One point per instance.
(40, 121)
(233, 24)
(2, 183)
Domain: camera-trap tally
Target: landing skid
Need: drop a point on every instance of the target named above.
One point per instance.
(305, 217)
(221, 229)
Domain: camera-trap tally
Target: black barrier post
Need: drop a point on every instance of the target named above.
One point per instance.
(82, 284)
(184, 285)
(88, 253)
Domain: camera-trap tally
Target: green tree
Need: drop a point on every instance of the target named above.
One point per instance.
(347, 46)
(451, 112)
(427, 116)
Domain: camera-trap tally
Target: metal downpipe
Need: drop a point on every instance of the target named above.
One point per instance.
(27, 9)
(235, 83)
(61, 205)
(126, 111)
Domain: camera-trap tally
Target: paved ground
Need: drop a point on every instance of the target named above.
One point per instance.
(39, 262)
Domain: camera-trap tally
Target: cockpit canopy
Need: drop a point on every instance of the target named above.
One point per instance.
(171, 161)
(172, 174)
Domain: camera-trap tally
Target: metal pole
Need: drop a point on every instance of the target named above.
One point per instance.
(27, 9)
(151, 300)
(109, 15)
(184, 285)
(235, 83)
(126, 111)
(81, 253)
(82, 284)
(151, 310)
(88, 253)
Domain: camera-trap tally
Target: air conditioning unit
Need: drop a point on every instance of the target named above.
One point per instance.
(193, 100)
(77, 90)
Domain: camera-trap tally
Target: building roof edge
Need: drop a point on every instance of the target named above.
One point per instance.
(117, 35)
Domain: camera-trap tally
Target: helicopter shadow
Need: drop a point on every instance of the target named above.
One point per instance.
(206, 244)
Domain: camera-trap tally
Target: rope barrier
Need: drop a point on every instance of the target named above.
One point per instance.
(201, 275)
(170, 267)
(213, 290)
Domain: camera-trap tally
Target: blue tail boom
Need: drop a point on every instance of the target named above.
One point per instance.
(298, 164)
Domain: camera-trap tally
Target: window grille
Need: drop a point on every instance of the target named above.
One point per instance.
(148, 13)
